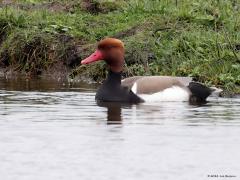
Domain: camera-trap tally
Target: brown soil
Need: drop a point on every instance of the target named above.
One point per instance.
(64, 54)
(52, 6)
(56, 6)
(90, 6)
(6, 2)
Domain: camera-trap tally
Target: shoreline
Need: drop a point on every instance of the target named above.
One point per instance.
(78, 81)
(49, 39)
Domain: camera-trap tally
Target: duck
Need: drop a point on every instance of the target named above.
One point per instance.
(139, 89)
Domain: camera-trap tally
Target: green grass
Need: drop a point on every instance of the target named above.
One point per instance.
(194, 38)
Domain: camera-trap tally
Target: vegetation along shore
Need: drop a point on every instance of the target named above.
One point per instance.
(194, 38)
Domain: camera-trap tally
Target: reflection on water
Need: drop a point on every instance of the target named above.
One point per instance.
(52, 130)
(114, 109)
(38, 84)
(114, 112)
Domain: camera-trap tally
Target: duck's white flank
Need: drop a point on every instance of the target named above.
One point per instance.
(174, 93)
(134, 88)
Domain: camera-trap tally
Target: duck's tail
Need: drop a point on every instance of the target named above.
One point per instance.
(199, 92)
(216, 92)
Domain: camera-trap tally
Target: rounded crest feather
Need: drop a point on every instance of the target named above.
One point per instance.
(110, 42)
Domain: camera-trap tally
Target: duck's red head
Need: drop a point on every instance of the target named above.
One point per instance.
(110, 50)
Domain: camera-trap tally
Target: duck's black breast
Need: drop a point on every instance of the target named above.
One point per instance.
(112, 91)
(117, 94)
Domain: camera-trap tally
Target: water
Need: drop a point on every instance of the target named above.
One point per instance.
(51, 130)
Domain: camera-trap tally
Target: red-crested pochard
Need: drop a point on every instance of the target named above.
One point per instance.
(140, 88)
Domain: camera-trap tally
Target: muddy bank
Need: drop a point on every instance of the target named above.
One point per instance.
(55, 56)
(48, 39)
(90, 6)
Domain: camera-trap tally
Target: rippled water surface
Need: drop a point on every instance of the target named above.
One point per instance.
(53, 131)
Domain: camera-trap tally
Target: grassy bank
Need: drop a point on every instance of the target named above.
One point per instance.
(195, 38)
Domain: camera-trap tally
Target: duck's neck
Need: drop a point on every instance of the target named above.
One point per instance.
(115, 70)
(116, 65)
(114, 78)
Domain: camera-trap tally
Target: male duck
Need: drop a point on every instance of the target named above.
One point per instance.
(141, 88)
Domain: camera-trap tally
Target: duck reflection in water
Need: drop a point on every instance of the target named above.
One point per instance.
(114, 111)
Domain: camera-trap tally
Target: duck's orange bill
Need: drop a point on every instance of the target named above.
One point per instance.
(96, 56)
